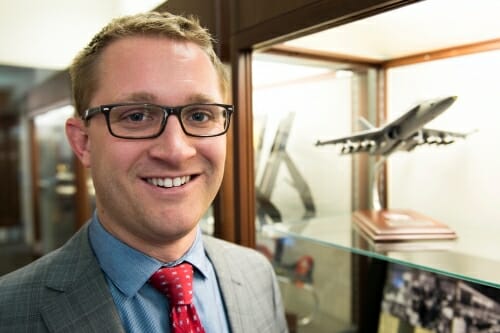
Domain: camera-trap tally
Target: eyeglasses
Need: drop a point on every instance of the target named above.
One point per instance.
(145, 121)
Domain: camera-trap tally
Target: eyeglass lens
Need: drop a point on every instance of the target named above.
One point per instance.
(139, 121)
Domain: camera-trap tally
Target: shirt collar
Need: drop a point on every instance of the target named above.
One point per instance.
(129, 269)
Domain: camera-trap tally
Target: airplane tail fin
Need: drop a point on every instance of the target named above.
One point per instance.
(365, 123)
(472, 132)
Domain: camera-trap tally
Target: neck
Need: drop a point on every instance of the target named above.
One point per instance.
(172, 251)
(160, 248)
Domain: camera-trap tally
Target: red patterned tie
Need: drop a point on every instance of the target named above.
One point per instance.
(176, 283)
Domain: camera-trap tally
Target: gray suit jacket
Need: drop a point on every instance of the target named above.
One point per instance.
(66, 291)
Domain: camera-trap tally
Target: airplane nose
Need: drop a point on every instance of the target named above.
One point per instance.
(447, 102)
(452, 99)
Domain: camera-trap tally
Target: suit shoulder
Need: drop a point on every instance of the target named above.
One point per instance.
(236, 251)
(40, 271)
(224, 245)
(33, 273)
(22, 290)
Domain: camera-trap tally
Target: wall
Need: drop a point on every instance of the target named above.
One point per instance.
(320, 105)
(456, 184)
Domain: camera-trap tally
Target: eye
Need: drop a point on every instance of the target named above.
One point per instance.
(136, 116)
(198, 114)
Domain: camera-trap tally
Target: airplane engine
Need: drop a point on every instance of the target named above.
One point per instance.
(447, 140)
(439, 140)
(430, 140)
(357, 147)
(393, 133)
(367, 145)
(347, 148)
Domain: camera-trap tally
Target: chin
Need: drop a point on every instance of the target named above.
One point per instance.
(169, 226)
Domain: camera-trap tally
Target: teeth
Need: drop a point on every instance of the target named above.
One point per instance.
(177, 181)
(169, 182)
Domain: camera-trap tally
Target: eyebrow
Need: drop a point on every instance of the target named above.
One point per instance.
(140, 97)
(201, 98)
(151, 98)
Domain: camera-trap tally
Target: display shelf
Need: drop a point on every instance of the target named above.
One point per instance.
(471, 257)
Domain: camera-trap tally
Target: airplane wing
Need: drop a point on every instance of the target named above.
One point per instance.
(370, 140)
(382, 140)
(364, 141)
(427, 136)
(428, 133)
(357, 137)
(440, 137)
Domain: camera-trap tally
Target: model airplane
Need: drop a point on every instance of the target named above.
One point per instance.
(405, 133)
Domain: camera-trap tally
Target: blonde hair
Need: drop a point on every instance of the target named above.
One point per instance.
(83, 70)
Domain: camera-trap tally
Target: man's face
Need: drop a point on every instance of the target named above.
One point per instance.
(165, 72)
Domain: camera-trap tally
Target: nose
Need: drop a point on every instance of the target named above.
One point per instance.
(173, 145)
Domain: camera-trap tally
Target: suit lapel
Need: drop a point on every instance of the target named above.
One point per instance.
(231, 283)
(77, 295)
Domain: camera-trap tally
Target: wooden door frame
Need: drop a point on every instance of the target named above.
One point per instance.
(235, 206)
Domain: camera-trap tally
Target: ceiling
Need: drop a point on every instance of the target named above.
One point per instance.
(47, 34)
(40, 37)
(421, 27)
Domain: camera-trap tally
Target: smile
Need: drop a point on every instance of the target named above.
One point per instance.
(169, 182)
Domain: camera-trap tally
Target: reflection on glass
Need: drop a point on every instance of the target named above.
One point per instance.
(207, 222)
(418, 299)
(419, 180)
(297, 102)
(56, 178)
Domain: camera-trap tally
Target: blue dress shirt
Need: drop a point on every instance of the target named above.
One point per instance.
(141, 307)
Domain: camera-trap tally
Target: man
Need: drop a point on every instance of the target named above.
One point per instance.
(149, 93)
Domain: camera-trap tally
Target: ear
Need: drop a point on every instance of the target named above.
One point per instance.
(77, 133)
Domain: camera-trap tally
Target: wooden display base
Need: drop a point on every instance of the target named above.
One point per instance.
(400, 225)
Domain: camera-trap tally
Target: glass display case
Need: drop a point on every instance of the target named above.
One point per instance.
(302, 102)
(56, 180)
(335, 278)
(306, 100)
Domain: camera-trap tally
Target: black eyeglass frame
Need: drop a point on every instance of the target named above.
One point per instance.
(167, 111)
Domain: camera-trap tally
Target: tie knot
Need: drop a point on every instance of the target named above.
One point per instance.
(175, 282)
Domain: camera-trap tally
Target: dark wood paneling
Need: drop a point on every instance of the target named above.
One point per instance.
(253, 29)
(294, 51)
(4, 99)
(244, 178)
(204, 10)
(35, 162)
(9, 174)
(252, 13)
(285, 23)
(235, 204)
(53, 91)
(484, 46)
(213, 15)
(224, 214)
